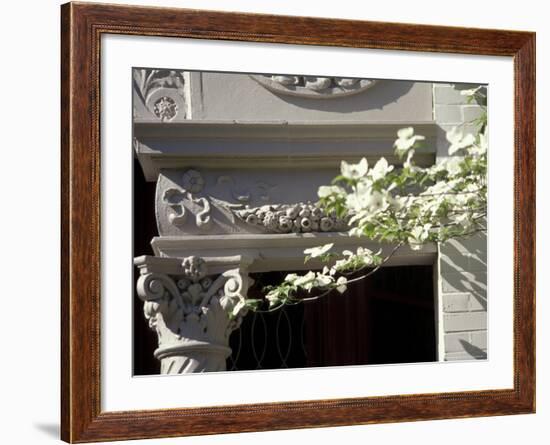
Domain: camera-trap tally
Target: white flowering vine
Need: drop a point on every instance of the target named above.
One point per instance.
(410, 206)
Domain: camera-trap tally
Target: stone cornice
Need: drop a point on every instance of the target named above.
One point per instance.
(145, 128)
(273, 144)
(270, 252)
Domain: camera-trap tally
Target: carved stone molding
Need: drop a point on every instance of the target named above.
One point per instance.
(165, 108)
(193, 305)
(161, 92)
(313, 87)
(191, 207)
(288, 146)
(286, 218)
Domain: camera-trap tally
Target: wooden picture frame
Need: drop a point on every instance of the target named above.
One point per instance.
(82, 26)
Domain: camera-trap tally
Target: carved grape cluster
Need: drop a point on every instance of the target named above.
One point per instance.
(298, 218)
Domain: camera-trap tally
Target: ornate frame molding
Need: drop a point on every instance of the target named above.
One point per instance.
(82, 419)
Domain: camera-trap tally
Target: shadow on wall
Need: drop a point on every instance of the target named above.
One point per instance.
(380, 95)
(473, 351)
(463, 269)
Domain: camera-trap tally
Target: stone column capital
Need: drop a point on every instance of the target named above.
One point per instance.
(193, 304)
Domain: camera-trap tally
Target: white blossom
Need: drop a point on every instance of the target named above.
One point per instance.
(453, 165)
(376, 201)
(363, 251)
(480, 148)
(364, 255)
(322, 280)
(291, 277)
(355, 231)
(354, 171)
(341, 284)
(463, 219)
(381, 169)
(471, 91)
(315, 252)
(419, 235)
(305, 281)
(356, 202)
(327, 190)
(406, 139)
(458, 141)
(273, 297)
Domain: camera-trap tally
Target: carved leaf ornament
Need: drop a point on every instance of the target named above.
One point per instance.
(313, 87)
(272, 218)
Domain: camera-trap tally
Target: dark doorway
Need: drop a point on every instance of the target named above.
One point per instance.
(144, 229)
(387, 318)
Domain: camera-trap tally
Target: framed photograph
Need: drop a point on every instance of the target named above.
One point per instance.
(276, 222)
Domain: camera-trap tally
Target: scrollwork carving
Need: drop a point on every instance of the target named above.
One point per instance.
(269, 218)
(193, 314)
(154, 286)
(174, 198)
(203, 218)
(193, 183)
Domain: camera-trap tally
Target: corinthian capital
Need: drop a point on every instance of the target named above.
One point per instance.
(193, 305)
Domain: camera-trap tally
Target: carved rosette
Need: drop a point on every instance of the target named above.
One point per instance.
(165, 108)
(193, 314)
(161, 91)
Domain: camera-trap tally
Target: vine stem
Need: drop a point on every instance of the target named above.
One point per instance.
(273, 309)
(362, 277)
(317, 297)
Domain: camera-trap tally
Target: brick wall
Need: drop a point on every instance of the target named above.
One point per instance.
(462, 277)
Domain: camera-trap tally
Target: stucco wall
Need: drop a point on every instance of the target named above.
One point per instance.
(219, 96)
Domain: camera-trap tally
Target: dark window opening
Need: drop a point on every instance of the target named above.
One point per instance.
(386, 318)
